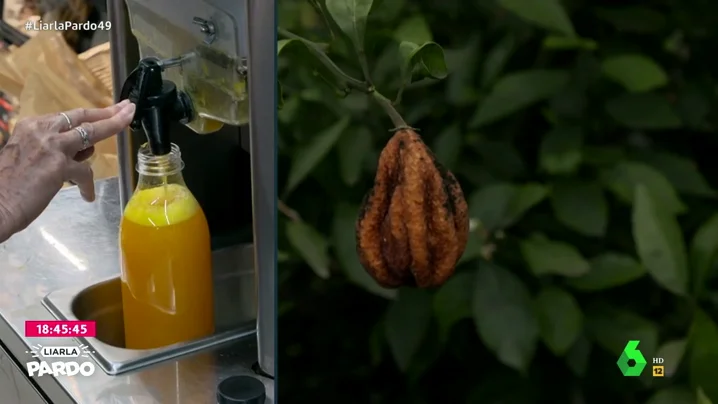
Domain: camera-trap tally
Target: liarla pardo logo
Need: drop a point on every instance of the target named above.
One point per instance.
(75, 367)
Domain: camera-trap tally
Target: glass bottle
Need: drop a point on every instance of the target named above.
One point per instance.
(167, 294)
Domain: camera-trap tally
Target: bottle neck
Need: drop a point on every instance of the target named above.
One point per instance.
(157, 170)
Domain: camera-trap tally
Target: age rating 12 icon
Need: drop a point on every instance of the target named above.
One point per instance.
(631, 354)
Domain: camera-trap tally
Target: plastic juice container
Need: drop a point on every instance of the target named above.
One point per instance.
(167, 294)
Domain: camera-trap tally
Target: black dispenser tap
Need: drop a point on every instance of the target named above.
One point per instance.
(158, 104)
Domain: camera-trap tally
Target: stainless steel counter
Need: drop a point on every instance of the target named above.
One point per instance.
(75, 242)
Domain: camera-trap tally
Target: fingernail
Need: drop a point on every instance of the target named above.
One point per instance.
(123, 102)
(129, 109)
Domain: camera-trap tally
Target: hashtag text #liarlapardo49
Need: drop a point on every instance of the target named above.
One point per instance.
(67, 26)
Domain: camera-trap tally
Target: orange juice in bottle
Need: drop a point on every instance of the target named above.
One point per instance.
(167, 294)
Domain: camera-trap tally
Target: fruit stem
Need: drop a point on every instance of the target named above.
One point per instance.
(384, 102)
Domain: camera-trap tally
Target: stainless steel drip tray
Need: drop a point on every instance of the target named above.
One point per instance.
(102, 302)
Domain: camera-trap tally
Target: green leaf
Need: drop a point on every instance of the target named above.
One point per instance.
(556, 42)
(570, 105)
(548, 14)
(415, 30)
(422, 61)
(353, 147)
(504, 316)
(601, 156)
(703, 253)
(633, 18)
(496, 60)
(578, 358)
(344, 241)
(311, 246)
(659, 243)
(672, 353)
(489, 205)
(527, 196)
(406, 324)
(636, 73)
(546, 257)
(281, 44)
(288, 113)
(704, 354)
(643, 111)
(351, 17)
(701, 397)
(673, 395)
(501, 159)
(388, 10)
(303, 52)
(447, 146)
(474, 247)
(560, 319)
(463, 63)
(517, 91)
(501, 205)
(608, 270)
(306, 160)
(693, 105)
(560, 151)
(452, 302)
(580, 206)
(612, 328)
(623, 179)
(280, 96)
(282, 256)
(682, 173)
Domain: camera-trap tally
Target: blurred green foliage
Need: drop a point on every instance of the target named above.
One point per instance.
(583, 134)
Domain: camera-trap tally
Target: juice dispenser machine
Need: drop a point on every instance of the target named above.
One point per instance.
(216, 100)
(202, 74)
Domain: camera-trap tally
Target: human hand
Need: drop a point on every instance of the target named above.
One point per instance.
(44, 152)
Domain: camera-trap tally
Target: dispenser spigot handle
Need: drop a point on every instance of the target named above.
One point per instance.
(207, 28)
(158, 103)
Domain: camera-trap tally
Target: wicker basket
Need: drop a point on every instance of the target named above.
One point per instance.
(98, 61)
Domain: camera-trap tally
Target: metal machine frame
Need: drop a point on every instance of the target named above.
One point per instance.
(261, 39)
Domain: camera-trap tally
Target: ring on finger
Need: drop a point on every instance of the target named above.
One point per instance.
(84, 136)
(67, 118)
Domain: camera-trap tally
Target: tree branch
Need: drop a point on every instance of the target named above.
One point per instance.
(288, 212)
(350, 82)
(365, 67)
(386, 105)
(318, 8)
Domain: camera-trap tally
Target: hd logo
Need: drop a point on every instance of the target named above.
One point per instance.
(631, 361)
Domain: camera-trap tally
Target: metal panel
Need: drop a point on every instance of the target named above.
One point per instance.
(214, 173)
(262, 123)
(125, 56)
(14, 385)
(217, 167)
